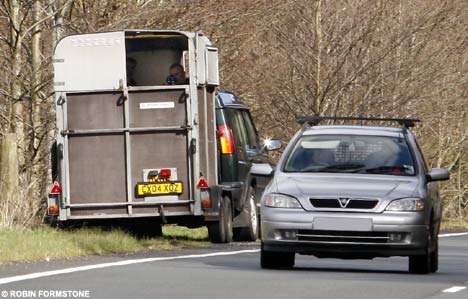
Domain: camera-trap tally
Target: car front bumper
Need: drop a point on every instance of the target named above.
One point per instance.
(344, 235)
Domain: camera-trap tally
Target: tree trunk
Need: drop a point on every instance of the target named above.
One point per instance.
(9, 179)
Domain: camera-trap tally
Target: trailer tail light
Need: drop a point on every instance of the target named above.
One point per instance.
(56, 189)
(53, 210)
(202, 184)
(206, 203)
(165, 173)
(226, 141)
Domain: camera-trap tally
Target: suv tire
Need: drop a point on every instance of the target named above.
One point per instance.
(221, 231)
(250, 232)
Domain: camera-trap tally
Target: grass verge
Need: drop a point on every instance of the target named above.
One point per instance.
(44, 243)
(454, 225)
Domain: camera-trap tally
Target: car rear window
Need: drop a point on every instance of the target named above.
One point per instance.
(351, 154)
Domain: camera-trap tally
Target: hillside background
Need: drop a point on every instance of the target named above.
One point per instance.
(285, 58)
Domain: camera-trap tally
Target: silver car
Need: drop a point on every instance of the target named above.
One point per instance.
(351, 192)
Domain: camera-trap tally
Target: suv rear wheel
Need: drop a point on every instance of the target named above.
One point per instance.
(250, 232)
(221, 231)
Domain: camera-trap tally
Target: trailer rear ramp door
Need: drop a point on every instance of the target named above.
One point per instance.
(117, 138)
(108, 156)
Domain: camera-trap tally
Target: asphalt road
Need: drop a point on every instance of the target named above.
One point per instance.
(167, 275)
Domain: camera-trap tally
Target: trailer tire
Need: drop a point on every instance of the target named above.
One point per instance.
(221, 231)
(143, 228)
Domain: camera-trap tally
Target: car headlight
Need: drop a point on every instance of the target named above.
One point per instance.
(273, 200)
(406, 204)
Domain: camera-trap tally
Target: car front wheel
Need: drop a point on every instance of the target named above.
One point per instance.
(274, 260)
(429, 261)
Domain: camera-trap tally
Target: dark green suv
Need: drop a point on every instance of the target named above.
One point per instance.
(238, 149)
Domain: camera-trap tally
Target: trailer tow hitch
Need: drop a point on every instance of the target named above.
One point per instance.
(161, 213)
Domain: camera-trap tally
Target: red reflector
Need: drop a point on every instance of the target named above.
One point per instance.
(206, 203)
(165, 173)
(226, 141)
(56, 189)
(202, 184)
(53, 210)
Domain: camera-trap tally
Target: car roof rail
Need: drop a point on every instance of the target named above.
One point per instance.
(311, 120)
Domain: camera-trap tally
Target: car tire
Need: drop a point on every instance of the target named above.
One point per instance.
(275, 260)
(250, 232)
(435, 256)
(221, 231)
(425, 263)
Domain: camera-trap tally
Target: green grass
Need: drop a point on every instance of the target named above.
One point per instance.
(44, 243)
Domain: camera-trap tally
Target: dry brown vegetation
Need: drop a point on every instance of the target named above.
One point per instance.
(285, 58)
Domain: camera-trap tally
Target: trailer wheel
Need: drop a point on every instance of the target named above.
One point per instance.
(143, 228)
(221, 231)
(250, 232)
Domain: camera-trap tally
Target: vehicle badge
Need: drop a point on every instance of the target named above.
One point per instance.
(344, 202)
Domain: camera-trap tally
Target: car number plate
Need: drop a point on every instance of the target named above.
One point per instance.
(342, 224)
(154, 189)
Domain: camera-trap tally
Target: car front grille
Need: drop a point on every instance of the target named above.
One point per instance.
(334, 203)
(342, 236)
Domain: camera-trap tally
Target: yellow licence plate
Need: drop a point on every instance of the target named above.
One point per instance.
(150, 189)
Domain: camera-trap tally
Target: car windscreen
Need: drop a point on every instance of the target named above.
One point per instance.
(351, 154)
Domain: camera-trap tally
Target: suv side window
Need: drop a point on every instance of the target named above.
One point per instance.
(253, 136)
(238, 128)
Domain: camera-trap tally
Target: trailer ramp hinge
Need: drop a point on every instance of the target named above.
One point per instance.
(193, 146)
(161, 213)
(123, 87)
(61, 101)
(67, 132)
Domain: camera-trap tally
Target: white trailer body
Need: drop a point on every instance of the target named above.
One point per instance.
(116, 142)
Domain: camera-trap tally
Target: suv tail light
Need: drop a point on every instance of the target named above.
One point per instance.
(226, 141)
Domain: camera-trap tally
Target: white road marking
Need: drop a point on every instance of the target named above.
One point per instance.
(116, 264)
(156, 259)
(453, 289)
(453, 235)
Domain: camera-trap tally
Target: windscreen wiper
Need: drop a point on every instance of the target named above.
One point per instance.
(347, 167)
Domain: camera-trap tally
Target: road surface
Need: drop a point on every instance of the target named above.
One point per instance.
(233, 271)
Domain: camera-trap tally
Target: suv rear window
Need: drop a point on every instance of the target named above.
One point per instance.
(351, 154)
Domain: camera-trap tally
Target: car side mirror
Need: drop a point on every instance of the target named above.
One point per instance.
(438, 174)
(261, 169)
(272, 144)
